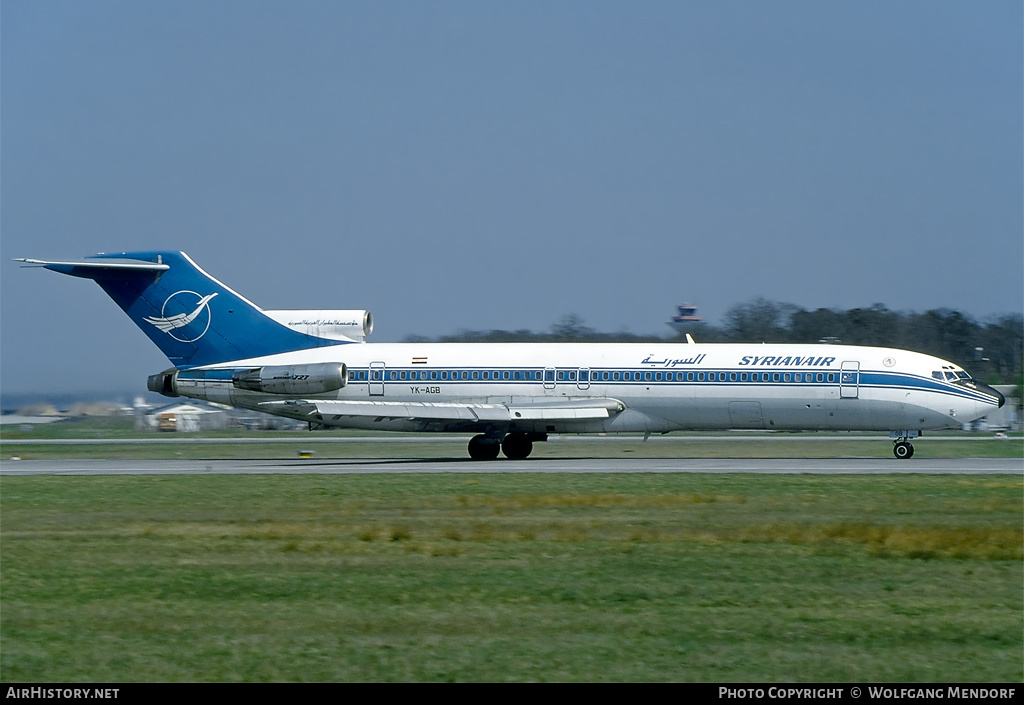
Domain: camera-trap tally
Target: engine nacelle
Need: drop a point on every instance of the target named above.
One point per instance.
(292, 379)
(349, 326)
(163, 383)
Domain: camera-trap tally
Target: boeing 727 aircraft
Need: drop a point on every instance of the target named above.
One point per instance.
(316, 366)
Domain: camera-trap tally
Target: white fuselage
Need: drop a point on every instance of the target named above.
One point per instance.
(226, 349)
(657, 387)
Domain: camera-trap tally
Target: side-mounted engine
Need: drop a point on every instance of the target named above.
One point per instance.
(292, 379)
(317, 378)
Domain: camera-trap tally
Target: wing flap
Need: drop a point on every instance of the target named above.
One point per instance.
(434, 411)
(540, 413)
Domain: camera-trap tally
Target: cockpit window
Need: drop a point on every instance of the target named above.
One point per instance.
(951, 375)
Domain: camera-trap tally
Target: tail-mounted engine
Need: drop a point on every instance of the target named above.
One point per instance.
(292, 379)
(347, 326)
(163, 383)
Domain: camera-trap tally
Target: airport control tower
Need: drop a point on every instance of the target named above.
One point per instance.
(686, 318)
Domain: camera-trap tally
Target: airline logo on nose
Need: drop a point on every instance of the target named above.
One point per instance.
(192, 321)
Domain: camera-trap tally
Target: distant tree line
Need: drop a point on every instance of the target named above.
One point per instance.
(991, 351)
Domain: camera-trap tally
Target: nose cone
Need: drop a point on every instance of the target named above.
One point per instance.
(997, 397)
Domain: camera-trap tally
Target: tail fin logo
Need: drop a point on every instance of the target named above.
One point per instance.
(193, 320)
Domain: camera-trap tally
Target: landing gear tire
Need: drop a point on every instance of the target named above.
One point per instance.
(483, 448)
(903, 450)
(517, 446)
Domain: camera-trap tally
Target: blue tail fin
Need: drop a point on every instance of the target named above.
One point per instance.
(192, 317)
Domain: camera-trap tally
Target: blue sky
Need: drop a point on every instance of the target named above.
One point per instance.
(469, 165)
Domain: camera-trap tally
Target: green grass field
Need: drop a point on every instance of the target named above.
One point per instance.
(512, 577)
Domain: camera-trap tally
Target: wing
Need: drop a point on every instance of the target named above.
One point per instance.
(328, 411)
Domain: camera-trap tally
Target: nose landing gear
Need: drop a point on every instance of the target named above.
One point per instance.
(903, 450)
(901, 447)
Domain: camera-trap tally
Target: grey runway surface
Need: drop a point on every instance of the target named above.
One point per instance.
(772, 466)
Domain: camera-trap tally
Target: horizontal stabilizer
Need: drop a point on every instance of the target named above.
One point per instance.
(94, 265)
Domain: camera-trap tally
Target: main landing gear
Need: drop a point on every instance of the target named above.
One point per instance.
(483, 448)
(515, 446)
(901, 447)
